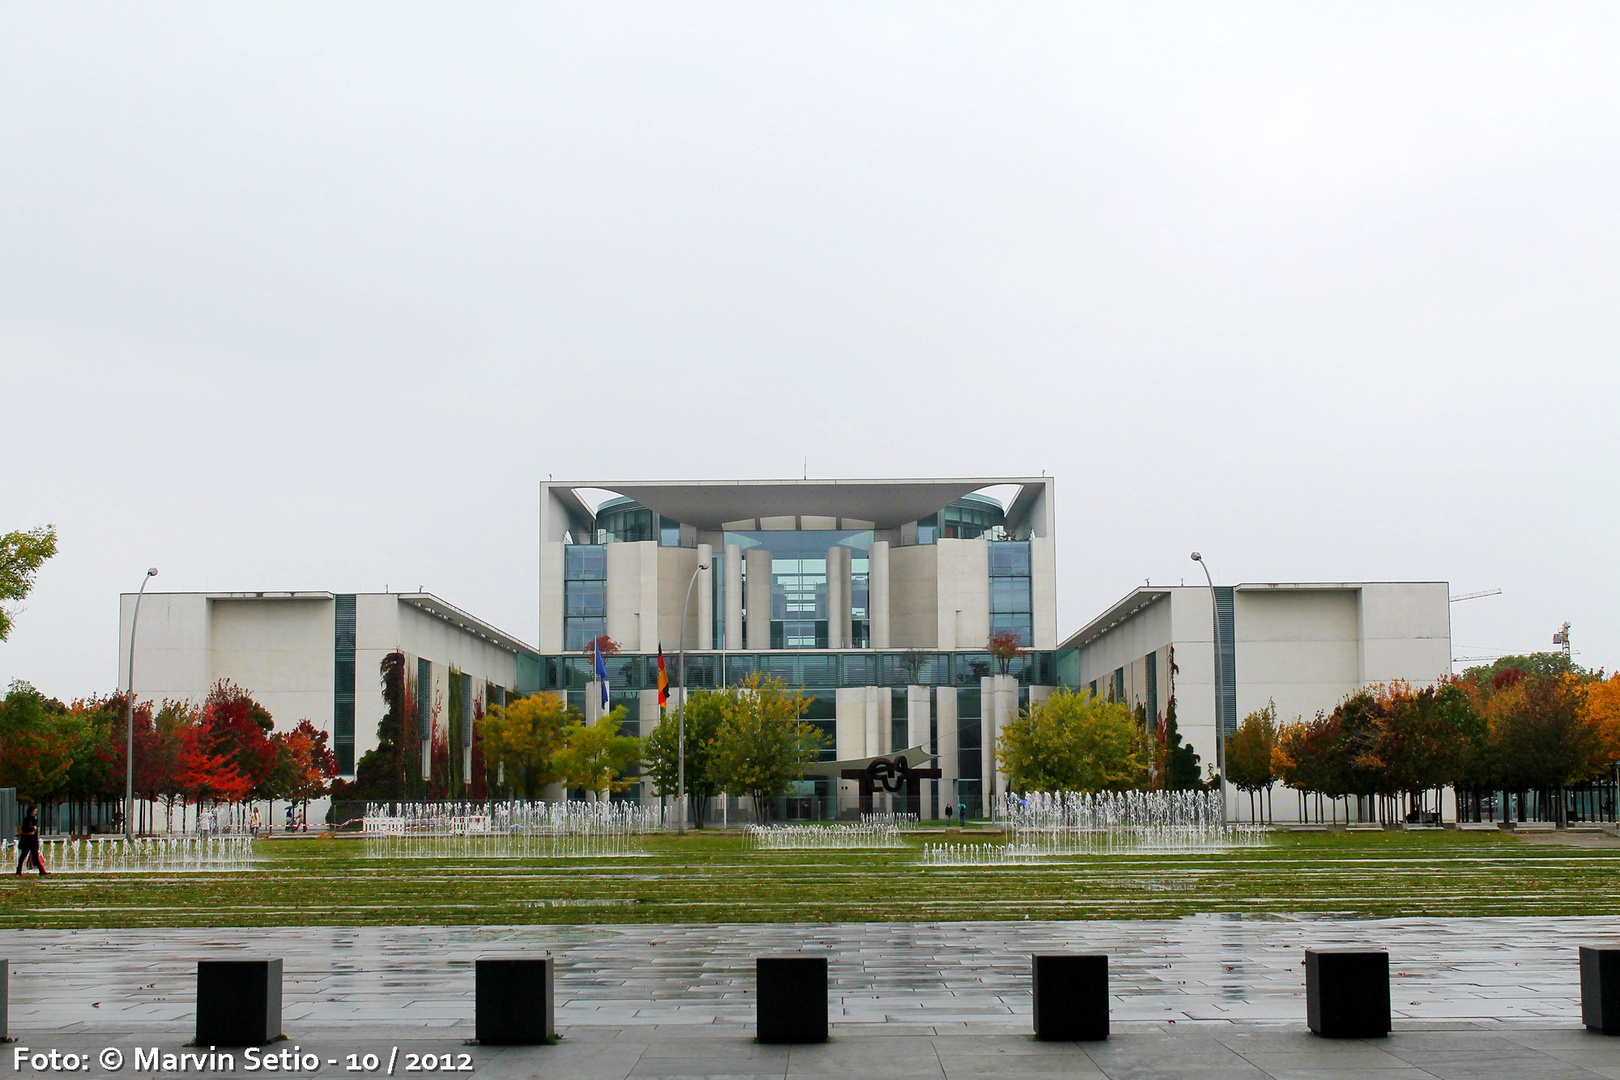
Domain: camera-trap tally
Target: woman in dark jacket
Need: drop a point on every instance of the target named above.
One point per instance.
(28, 844)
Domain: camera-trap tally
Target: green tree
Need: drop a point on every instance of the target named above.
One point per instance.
(22, 553)
(379, 775)
(659, 751)
(1543, 736)
(522, 738)
(1075, 742)
(761, 747)
(37, 747)
(595, 757)
(1249, 752)
(1178, 763)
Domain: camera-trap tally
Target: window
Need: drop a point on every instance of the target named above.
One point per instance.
(343, 683)
(1011, 603)
(1009, 594)
(584, 594)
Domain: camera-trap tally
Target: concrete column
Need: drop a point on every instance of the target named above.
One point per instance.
(759, 598)
(917, 717)
(877, 593)
(877, 740)
(593, 700)
(999, 698)
(734, 598)
(705, 597)
(849, 722)
(945, 706)
(837, 598)
(917, 734)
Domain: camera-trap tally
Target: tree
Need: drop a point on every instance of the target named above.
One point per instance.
(1418, 741)
(608, 646)
(22, 553)
(172, 732)
(523, 737)
(760, 746)
(379, 775)
(1004, 647)
(1603, 709)
(1544, 736)
(1178, 764)
(595, 757)
(1073, 741)
(36, 752)
(1249, 753)
(239, 728)
(660, 757)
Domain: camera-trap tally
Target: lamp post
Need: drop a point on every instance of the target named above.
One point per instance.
(129, 714)
(1220, 678)
(680, 712)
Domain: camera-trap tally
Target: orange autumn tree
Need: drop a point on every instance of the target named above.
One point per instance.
(1603, 710)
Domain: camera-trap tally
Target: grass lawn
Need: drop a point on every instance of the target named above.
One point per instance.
(718, 878)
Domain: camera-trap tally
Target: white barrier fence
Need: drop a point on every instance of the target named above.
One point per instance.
(824, 837)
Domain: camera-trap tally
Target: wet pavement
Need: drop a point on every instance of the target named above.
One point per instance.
(1220, 995)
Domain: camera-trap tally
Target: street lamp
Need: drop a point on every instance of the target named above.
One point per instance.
(1220, 703)
(129, 715)
(680, 713)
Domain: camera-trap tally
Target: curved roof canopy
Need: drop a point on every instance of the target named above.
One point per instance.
(709, 504)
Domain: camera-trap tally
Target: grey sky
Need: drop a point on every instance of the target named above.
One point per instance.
(311, 295)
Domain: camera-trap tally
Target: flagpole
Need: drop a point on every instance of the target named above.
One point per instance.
(680, 713)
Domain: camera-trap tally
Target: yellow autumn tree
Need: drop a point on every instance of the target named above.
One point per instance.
(1603, 710)
(522, 738)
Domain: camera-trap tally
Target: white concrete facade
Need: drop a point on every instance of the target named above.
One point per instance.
(1303, 646)
(281, 647)
(927, 588)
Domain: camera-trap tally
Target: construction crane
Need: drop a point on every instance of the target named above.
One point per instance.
(1476, 595)
(1562, 638)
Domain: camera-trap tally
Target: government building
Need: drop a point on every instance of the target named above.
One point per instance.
(878, 598)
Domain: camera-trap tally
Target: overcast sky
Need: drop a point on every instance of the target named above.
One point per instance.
(310, 296)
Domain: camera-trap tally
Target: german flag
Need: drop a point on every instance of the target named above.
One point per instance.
(663, 680)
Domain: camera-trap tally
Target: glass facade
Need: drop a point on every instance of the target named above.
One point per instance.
(815, 671)
(970, 518)
(1228, 658)
(343, 683)
(800, 611)
(584, 594)
(623, 521)
(1011, 602)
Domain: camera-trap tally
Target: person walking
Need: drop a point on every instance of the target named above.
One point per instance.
(28, 844)
(256, 823)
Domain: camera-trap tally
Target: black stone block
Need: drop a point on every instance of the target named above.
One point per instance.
(1347, 993)
(1071, 997)
(1600, 989)
(792, 999)
(238, 1002)
(513, 1000)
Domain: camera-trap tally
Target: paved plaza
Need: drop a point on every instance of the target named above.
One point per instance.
(1213, 996)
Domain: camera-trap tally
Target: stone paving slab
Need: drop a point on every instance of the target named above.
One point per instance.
(940, 978)
(596, 1053)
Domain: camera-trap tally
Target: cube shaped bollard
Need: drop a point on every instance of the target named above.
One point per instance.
(791, 1002)
(513, 1001)
(1347, 993)
(238, 1002)
(1071, 997)
(1600, 990)
(5, 996)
